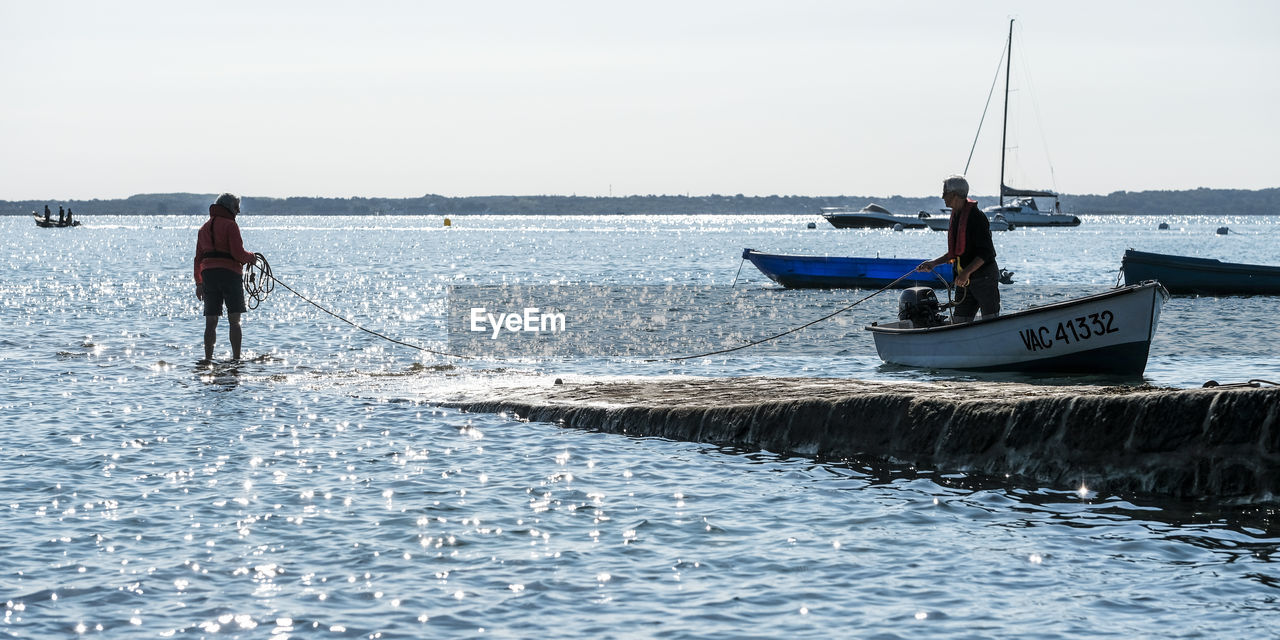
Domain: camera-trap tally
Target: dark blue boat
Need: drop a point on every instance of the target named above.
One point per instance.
(1182, 275)
(822, 272)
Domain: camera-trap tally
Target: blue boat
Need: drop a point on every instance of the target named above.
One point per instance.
(1182, 275)
(823, 272)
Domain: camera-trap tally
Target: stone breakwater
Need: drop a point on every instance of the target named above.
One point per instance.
(1221, 443)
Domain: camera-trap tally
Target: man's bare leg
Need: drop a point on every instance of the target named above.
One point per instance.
(210, 335)
(233, 319)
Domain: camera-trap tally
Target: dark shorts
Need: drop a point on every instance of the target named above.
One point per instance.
(222, 286)
(982, 294)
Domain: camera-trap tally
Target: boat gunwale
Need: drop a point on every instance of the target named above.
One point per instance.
(812, 258)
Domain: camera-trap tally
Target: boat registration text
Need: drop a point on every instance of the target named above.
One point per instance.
(1074, 330)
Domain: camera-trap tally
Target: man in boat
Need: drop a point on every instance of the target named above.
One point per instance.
(61, 216)
(69, 220)
(977, 277)
(46, 213)
(220, 256)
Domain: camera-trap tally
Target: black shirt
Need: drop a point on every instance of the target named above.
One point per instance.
(977, 237)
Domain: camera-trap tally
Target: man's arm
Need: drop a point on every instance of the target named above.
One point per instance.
(237, 247)
(962, 278)
(196, 269)
(930, 264)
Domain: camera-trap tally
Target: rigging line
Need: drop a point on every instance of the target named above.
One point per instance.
(1035, 108)
(261, 271)
(803, 326)
(990, 93)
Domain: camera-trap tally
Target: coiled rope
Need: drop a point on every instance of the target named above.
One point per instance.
(261, 282)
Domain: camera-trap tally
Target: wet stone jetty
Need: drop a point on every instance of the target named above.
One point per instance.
(1221, 443)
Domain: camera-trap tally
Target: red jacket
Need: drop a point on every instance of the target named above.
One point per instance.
(220, 236)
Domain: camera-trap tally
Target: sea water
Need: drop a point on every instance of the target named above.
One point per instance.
(317, 489)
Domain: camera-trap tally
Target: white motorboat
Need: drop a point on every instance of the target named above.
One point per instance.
(872, 216)
(1105, 333)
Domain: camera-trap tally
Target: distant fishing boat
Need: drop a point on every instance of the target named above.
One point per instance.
(1105, 333)
(872, 216)
(825, 272)
(41, 222)
(1183, 275)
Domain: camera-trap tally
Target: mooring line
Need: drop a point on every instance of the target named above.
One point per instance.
(257, 290)
(735, 276)
(805, 325)
(1254, 383)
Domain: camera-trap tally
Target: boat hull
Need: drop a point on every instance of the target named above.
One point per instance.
(41, 222)
(1183, 275)
(1106, 333)
(823, 272)
(860, 220)
(1019, 218)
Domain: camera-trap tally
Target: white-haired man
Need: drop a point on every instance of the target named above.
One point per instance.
(969, 243)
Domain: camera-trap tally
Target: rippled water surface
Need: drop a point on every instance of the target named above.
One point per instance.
(315, 490)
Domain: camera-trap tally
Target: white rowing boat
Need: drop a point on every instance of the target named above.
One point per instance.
(1107, 333)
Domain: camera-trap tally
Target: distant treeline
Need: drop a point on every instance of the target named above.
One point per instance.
(1195, 201)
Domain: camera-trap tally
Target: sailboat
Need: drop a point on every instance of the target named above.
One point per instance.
(1022, 210)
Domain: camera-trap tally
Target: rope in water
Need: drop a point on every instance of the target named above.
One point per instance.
(735, 276)
(262, 282)
(810, 323)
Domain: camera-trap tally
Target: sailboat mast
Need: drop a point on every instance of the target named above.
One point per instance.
(1004, 130)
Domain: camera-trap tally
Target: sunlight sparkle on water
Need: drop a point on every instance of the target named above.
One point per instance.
(286, 464)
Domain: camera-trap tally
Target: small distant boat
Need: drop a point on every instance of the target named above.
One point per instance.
(1106, 333)
(823, 272)
(1204, 276)
(872, 216)
(1022, 212)
(41, 222)
(941, 223)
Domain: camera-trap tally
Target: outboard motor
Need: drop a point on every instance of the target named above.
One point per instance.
(920, 306)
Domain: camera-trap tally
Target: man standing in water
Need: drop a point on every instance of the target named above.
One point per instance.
(969, 244)
(219, 255)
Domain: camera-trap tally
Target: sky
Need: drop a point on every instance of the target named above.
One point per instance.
(382, 98)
